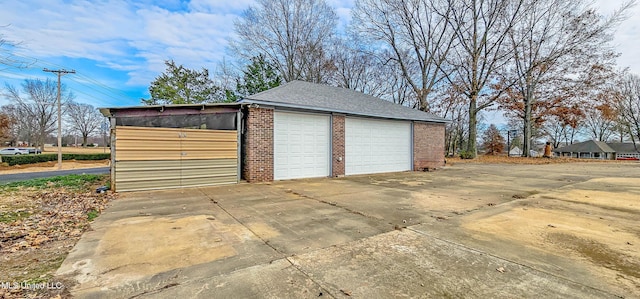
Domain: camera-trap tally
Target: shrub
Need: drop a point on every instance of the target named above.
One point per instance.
(466, 155)
(30, 159)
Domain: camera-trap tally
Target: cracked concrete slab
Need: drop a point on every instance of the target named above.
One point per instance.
(467, 231)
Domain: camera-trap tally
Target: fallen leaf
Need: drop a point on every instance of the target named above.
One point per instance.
(348, 293)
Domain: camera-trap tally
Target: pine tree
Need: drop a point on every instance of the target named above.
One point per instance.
(180, 85)
(259, 76)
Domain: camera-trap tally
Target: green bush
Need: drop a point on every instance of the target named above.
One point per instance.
(30, 159)
(466, 155)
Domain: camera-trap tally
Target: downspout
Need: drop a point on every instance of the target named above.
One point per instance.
(112, 148)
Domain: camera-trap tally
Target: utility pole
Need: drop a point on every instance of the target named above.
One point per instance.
(60, 73)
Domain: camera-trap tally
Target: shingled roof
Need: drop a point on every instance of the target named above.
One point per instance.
(310, 96)
(590, 146)
(624, 147)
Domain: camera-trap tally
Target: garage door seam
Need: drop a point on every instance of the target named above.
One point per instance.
(266, 242)
(510, 261)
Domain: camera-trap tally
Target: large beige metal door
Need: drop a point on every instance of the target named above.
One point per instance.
(162, 158)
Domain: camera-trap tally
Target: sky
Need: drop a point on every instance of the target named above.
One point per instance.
(117, 47)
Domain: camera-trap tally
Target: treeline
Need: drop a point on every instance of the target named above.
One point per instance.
(548, 65)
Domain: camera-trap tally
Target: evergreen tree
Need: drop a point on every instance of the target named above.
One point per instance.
(180, 85)
(259, 75)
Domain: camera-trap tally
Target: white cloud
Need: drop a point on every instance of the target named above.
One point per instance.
(136, 37)
(113, 32)
(220, 6)
(627, 35)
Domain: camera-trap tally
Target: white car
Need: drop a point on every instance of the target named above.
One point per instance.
(14, 151)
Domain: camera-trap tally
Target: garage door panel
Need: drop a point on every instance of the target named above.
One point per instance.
(301, 145)
(161, 158)
(163, 174)
(374, 146)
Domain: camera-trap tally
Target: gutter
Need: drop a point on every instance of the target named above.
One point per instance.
(309, 108)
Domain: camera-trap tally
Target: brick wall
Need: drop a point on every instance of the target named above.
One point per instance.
(428, 145)
(258, 146)
(337, 126)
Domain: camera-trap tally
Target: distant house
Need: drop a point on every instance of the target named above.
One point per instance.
(593, 149)
(515, 152)
(625, 150)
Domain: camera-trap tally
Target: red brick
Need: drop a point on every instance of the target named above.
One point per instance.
(428, 145)
(258, 145)
(337, 127)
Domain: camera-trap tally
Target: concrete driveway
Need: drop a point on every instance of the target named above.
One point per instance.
(381, 236)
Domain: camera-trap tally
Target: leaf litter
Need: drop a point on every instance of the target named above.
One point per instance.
(38, 227)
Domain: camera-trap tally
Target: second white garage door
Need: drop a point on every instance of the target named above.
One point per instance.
(375, 146)
(301, 145)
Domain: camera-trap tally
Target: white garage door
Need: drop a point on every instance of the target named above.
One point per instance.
(374, 146)
(301, 145)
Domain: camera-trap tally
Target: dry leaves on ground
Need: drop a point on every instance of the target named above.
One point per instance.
(54, 214)
(525, 160)
(37, 230)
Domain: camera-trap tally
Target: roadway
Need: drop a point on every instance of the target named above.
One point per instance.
(16, 177)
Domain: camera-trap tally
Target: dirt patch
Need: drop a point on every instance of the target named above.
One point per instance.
(133, 248)
(607, 241)
(603, 199)
(531, 225)
(597, 253)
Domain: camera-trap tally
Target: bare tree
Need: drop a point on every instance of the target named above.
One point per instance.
(600, 120)
(293, 34)
(84, 119)
(560, 44)
(360, 70)
(7, 56)
(480, 28)
(628, 105)
(561, 126)
(227, 77)
(418, 39)
(35, 108)
(450, 104)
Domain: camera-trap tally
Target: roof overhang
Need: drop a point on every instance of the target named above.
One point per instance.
(113, 111)
(327, 110)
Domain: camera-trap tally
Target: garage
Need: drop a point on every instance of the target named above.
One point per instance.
(301, 145)
(306, 130)
(376, 146)
(296, 130)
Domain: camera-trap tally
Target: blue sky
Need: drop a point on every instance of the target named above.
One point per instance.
(118, 47)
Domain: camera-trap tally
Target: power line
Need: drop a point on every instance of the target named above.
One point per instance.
(60, 72)
(109, 92)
